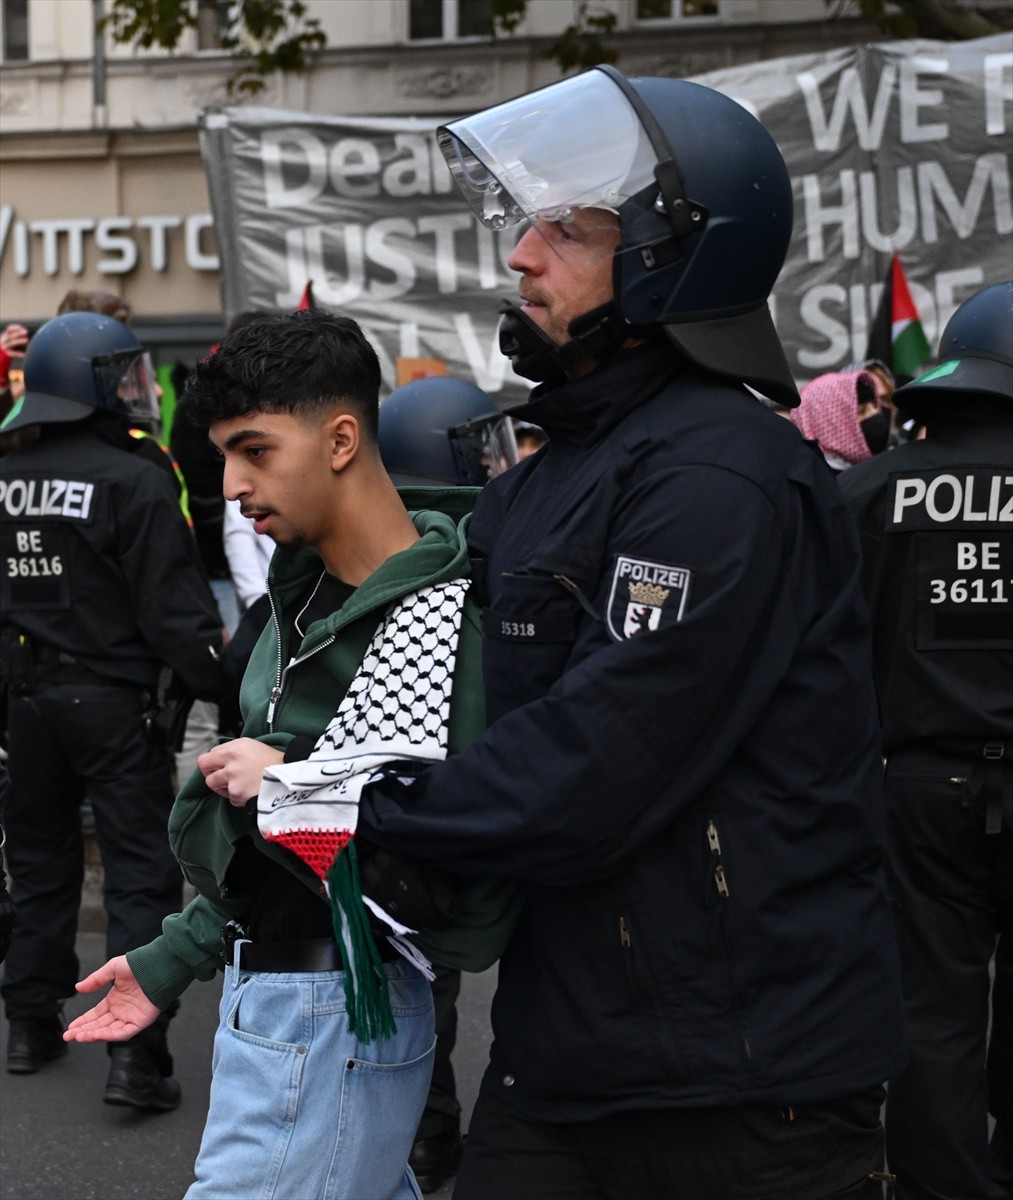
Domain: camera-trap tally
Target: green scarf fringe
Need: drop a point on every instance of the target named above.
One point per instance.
(367, 995)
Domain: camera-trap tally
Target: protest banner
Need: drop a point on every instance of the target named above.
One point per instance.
(899, 147)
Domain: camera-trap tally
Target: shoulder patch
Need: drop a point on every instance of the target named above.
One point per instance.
(644, 595)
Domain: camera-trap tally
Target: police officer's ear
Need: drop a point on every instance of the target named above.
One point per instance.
(343, 436)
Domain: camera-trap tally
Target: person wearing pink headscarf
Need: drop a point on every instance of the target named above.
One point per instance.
(842, 414)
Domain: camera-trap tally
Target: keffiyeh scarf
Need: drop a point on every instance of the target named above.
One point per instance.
(828, 415)
(396, 709)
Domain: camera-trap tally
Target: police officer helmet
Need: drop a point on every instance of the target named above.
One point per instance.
(703, 201)
(82, 362)
(443, 430)
(975, 354)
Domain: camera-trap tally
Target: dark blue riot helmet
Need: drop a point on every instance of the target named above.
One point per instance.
(975, 355)
(703, 202)
(80, 363)
(440, 430)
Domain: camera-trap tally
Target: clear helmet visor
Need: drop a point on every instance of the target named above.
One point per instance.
(484, 448)
(577, 145)
(127, 383)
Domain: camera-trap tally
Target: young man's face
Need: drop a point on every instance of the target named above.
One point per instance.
(278, 466)
(566, 269)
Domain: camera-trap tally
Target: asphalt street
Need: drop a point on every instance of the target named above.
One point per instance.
(58, 1141)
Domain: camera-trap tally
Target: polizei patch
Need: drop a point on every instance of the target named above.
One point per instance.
(643, 595)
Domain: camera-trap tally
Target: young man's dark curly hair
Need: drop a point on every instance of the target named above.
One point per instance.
(295, 363)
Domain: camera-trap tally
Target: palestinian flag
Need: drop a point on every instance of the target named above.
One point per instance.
(896, 336)
(306, 300)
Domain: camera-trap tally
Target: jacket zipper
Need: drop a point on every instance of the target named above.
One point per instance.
(275, 695)
(276, 691)
(637, 985)
(721, 883)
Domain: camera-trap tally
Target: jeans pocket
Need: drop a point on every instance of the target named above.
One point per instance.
(381, 1105)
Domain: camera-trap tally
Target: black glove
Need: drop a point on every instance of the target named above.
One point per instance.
(415, 893)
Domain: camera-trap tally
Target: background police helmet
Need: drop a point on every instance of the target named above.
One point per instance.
(443, 430)
(80, 363)
(703, 199)
(975, 354)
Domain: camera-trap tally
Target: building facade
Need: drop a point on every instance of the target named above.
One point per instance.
(101, 179)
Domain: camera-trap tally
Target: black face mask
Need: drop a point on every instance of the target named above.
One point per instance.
(876, 431)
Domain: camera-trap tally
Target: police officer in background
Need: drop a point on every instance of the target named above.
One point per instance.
(443, 430)
(682, 766)
(100, 591)
(446, 432)
(936, 521)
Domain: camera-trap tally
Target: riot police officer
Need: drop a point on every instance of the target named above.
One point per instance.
(444, 430)
(936, 520)
(100, 592)
(682, 767)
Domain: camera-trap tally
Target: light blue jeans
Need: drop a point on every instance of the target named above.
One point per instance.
(301, 1109)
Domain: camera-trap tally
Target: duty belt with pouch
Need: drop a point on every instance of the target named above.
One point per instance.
(50, 663)
(992, 774)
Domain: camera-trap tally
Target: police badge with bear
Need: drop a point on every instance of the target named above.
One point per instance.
(644, 595)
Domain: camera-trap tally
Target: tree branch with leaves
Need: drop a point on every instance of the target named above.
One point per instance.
(263, 36)
(939, 19)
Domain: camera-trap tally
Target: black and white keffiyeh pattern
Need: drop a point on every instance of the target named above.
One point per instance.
(395, 710)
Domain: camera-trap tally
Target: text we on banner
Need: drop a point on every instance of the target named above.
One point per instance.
(899, 147)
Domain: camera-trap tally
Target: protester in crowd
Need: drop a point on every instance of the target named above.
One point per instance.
(882, 377)
(13, 343)
(249, 558)
(373, 634)
(936, 537)
(445, 432)
(101, 592)
(682, 765)
(95, 300)
(842, 413)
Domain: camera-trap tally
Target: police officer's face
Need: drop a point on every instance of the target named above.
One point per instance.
(279, 467)
(566, 269)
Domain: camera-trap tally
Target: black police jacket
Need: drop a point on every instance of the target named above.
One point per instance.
(682, 766)
(936, 525)
(98, 563)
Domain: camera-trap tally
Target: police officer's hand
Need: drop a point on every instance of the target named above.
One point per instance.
(120, 1015)
(234, 769)
(414, 893)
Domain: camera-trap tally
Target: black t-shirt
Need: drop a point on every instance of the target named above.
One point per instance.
(283, 909)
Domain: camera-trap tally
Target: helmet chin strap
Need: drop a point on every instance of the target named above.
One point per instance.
(594, 335)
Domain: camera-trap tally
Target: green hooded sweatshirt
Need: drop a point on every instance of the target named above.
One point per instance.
(281, 699)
